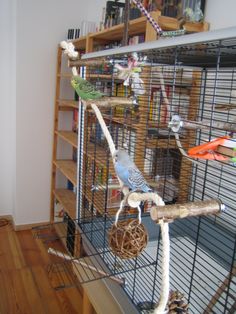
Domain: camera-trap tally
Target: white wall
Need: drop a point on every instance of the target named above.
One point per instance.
(220, 14)
(7, 106)
(41, 25)
(26, 105)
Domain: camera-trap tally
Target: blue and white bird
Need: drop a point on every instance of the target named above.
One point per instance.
(128, 172)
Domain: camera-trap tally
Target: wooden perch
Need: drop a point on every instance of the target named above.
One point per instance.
(223, 107)
(83, 264)
(108, 102)
(227, 126)
(80, 63)
(198, 208)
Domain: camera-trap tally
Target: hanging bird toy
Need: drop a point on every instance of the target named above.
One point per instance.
(127, 238)
(131, 75)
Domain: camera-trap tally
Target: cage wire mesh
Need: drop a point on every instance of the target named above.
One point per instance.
(196, 84)
(199, 82)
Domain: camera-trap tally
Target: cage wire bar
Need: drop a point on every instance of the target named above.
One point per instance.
(199, 80)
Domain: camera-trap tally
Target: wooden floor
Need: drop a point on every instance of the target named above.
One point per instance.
(25, 286)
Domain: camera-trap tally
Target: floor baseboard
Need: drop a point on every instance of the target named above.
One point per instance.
(23, 226)
(28, 226)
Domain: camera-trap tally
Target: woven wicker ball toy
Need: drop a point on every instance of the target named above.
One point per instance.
(128, 238)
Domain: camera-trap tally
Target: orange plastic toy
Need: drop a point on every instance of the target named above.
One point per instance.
(208, 150)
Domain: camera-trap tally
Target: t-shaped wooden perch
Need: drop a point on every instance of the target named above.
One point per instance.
(198, 208)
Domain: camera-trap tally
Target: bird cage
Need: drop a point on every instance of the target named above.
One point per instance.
(182, 97)
(171, 105)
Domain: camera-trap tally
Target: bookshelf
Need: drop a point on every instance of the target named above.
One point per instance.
(63, 166)
(136, 27)
(69, 137)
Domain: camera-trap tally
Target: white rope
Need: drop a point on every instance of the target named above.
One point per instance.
(161, 309)
(69, 49)
(74, 71)
(165, 287)
(119, 211)
(104, 129)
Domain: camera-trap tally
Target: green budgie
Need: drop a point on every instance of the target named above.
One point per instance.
(85, 89)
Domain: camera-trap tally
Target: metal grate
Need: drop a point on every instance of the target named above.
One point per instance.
(199, 82)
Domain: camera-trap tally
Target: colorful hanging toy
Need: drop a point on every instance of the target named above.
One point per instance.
(130, 75)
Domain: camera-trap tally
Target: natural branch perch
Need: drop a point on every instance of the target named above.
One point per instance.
(198, 208)
(108, 102)
(223, 107)
(80, 63)
(227, 126)
(79, 262)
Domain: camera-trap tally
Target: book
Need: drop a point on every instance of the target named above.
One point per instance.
(87, 27)
(75, 121)
(73, 33)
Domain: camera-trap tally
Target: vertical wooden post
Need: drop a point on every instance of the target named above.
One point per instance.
(186, 165)
(150, 33)
(89, 44)
(54, 153)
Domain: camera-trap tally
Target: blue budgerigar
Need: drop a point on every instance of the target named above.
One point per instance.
(128, 172)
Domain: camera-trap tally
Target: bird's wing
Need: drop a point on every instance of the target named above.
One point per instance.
(136, 179)
(89, 90)
(122, 173)
(85, 89)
